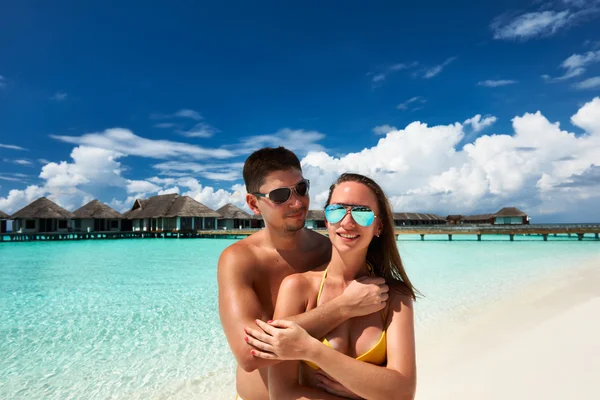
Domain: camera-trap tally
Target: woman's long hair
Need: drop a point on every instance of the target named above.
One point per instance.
(383, 252)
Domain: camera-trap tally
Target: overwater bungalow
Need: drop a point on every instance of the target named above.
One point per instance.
(96, 216)
(3, 218)
(257, 222)
(404, 219)
(479, 219)
(511, 216)
(315, 219)
(232, 217)
(171, 212)
(41, 216)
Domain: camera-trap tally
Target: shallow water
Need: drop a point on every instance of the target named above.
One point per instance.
(138, 318)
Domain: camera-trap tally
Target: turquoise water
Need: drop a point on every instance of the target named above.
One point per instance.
(129, 319)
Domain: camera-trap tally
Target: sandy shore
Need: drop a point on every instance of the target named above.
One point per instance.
(543, 343)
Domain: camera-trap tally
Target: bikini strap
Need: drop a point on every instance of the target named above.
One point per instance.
(322, 284)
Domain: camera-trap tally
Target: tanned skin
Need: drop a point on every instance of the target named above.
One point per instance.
(250, 273)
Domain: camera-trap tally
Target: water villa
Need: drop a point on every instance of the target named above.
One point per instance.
(171, 212)
(41, 216)
(232, 217)
(3, 218)
(315, 219)
(506, 216)
(96, 216)
(410, 219)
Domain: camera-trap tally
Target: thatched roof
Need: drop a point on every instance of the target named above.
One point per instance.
(168, 206)
(98, 210)
(478, 217)
(315, 215)
(229, 211)
(510, 212)
(417, 217)
(3, 215)
(42, 208)
(257, 217)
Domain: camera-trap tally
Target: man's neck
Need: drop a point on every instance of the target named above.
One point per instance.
(285, 240)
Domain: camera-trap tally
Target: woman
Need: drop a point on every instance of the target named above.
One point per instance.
(371, 357)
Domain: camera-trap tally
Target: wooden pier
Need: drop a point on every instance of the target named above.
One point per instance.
(591, 231)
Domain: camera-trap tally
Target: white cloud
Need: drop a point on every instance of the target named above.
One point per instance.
(59, 96)
(170, 190)
(19, 162)
(383, 129)
(576, 65)
(165, 125)
(126, 142)
(536, 168)
(530, 25)
(222, 172)
(17, 199)
(479, 124)
(186, 113)
(590, 83)
(140, 186)
(547, 20)
(297, 140)
(383, 72)
(431, 72)
(11, 147)
(407, 104)
(200, 130)
(496, 83)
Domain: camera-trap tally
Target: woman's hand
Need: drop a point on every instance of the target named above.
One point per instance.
(279, 340)
(330, 385)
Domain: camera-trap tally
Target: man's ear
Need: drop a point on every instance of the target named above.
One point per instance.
(251, 201)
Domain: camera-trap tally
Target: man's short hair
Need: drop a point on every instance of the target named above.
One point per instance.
(264, 161)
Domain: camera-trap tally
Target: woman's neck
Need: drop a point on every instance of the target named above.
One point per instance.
(349, 265)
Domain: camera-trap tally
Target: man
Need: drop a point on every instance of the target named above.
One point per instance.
(251, 270)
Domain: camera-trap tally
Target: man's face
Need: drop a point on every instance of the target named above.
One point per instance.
(289, 216)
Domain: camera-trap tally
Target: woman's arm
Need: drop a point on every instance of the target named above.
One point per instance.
(371, 381)
(283, 377)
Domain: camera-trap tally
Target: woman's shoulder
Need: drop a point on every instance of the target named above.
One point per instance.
(302, 281)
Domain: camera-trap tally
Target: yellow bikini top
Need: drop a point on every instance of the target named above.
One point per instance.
(377, 354)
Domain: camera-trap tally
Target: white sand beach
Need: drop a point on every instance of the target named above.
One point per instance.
(543, 343)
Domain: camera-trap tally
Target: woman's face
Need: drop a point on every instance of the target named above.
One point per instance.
(348, 234)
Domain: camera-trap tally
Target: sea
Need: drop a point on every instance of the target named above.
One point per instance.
(138, 318)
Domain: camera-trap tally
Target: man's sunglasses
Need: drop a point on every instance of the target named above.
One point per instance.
(363, 216)
(283, 194)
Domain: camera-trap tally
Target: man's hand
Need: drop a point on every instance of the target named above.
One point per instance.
(365, 296)
(332, 386)
(279, 340)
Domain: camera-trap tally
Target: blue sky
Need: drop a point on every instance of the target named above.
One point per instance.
(192, 88)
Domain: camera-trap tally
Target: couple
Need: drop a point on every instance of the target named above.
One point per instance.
(285, 285)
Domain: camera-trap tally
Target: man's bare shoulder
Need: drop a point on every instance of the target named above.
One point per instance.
(240, 255)
(303, 281)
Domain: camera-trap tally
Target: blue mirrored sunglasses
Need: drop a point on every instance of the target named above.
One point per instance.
(362, 215)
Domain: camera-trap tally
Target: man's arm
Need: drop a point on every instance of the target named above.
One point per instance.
(362, 297)
(239, 305)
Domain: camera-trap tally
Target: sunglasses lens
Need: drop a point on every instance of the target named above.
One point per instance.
(280, 195)
(363, 216)
(302, 188)
(334, 213)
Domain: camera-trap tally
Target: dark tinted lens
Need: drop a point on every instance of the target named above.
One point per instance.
(280, 195)
(302, 188)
